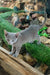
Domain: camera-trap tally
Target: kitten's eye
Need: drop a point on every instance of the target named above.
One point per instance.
(8, 40)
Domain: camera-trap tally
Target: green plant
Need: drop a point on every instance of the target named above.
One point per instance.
(40, 52)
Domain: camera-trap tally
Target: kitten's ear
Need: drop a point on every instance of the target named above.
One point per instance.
(16, 35)
(5, 32)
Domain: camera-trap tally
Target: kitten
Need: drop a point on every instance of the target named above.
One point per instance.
(18, 39)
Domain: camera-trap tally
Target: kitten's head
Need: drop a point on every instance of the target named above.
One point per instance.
(11, 38)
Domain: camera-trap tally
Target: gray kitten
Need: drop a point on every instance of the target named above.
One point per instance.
(18, 39)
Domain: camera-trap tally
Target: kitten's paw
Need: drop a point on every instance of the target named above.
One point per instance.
(31, 42)
(17, 55)
(38, 42)
(10, 53)
(14, 55)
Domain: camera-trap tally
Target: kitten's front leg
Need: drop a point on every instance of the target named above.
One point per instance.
(17, 52)
(18, 45)
(12, 51)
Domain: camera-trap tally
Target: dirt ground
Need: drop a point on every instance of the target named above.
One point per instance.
(2, 71)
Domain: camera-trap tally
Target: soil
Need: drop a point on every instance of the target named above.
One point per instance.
(3, 72)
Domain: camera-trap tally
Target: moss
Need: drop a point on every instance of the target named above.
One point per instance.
(6, 14)
(9, 13)
(5, 9)
(40, 52)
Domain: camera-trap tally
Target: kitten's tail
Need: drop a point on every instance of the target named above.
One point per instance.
(45, 15)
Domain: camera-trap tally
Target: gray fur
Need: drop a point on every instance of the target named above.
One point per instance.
(28, 35)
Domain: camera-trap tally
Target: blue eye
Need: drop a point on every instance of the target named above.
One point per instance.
(8, 40)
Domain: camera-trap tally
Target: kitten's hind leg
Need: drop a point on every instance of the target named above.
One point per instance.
(38, 39)
(31, 42)
(38, 42)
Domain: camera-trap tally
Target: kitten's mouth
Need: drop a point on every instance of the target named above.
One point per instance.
(10, 43)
